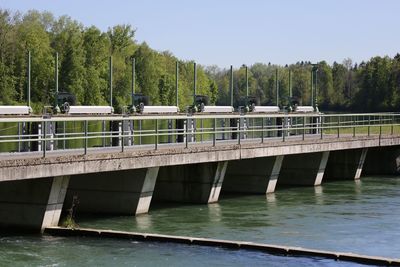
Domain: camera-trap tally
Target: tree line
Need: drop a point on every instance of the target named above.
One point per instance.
(83, 70)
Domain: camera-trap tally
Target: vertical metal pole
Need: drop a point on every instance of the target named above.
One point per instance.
(64, 135)
(44, 145)
(290, 84)
(247, 82)
(104, 133)
(380, 126)
(251, 126)
(304, 128)
(19, 136)
(186, 122)
(238, 130)
(369, 125)
(156, 138)
(122, 135)
(231, 85)
(214, 131)
(312, 87)
(86, 135)
(391, 127)
(322, 127)
(262, 130)
(177, 83)
(194, 82)
(201, 130)
(140, 132)
(338, 127)
(277, 86)
(56, 78)
(316, 88)
(354, 125)
(283, 129)
(29, 79)
(133, 80)
(110, 66)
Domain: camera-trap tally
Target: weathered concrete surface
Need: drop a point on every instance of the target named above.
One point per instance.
(276, 170)
(258, 175)
(382, 161)
(146, 193)
(33, 168)
(55, 203)
(345, 164)
(218, 180)
(196, 183)
(124, 192)
(32, 204)
(303, 169)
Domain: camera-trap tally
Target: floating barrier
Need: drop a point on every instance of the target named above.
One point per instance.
(269, 248)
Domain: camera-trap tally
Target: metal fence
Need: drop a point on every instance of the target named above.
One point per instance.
(75, 134)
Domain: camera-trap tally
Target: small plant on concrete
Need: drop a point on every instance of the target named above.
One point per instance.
(69, 221)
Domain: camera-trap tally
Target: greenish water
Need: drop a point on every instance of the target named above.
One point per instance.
(361, 217)
(55, 251)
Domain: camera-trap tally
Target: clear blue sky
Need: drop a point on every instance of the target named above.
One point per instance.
(224, 32)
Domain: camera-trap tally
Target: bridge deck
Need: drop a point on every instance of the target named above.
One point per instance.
(30, 165)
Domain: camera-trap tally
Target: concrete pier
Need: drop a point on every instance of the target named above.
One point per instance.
(303, 169)
(258, 175)
(32, 204)
(196, 183)
(124, 192)
(382, 161)
(345, 164)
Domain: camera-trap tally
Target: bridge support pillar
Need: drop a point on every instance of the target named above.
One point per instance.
(146, 193)
(196, 183)
(303, 169)
(126, 192)
(32, 204)
(258, 175)
(345, 164)
(382, 161)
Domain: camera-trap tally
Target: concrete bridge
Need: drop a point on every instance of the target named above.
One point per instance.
(124, 177)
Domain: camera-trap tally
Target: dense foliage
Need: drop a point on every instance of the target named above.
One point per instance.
(83, 70)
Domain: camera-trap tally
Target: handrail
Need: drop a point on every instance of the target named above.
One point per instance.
(17, 134)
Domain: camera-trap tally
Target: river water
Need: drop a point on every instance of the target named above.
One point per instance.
(361, 217)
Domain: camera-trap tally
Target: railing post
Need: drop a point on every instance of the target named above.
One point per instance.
(185, 123)
(354, 126)
(214, 128)
(140, 132)
(19, 137)
(283, 128)
(369, 125)
(322, 127)
(380, 127)
(304, 128)
(44, 145)
(262, 130)
(391, 126)
(252, 127)
(64, 135)
(238, 130)
(122, 135)
(156, 138)
(338, 127)
(86, 135)
(201, 130)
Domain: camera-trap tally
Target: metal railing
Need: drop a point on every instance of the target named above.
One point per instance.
(81, 135)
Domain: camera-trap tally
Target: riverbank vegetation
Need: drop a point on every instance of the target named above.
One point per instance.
(373, 85)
